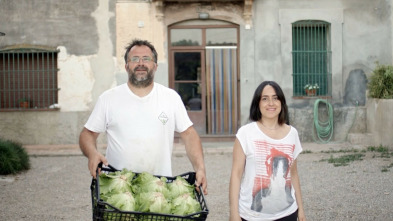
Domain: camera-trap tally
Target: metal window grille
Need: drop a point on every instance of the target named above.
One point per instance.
(311, 57)
(28, 78)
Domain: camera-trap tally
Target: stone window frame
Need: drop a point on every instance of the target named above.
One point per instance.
(336, 19)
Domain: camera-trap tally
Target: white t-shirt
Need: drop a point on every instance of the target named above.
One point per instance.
(266, 191)
(140, 130)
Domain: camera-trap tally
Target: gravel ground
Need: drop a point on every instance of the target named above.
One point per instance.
(57, 187)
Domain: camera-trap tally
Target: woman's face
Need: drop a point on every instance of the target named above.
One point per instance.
(269, 105)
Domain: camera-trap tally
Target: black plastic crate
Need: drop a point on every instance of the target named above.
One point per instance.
(105, 211)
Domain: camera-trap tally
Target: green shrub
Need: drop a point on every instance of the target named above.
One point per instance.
(13, 157)
(381, 82)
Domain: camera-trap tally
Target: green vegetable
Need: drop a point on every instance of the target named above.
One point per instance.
(115, 182)
(154, 202)
(148, 194)
(123, 201)
(185, 204)
(180, 186)
(146, 182)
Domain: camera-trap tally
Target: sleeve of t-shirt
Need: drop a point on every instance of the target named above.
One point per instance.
(97, 119)
(241, 137)
(298, 145)
(182, 121)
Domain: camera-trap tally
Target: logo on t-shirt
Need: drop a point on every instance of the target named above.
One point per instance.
(163, 118)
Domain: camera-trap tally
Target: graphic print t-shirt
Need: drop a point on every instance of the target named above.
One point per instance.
(266, 191)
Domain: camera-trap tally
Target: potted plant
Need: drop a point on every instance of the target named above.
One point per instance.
(381, 82)
(379, 104)
(311, 89)
(24, 102)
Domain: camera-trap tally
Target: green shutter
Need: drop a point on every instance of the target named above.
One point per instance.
(311, 56)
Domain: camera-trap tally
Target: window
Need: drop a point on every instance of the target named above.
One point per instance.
(186, 37)
(311, 57)
(221, 37)
(28, 78)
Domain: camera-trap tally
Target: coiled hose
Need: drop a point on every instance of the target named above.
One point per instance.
(324, 129)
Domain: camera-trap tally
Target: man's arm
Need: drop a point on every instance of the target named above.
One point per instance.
(195, 153)
(88, 146)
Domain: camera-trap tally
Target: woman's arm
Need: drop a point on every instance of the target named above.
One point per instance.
(238, 163)
(298, 192)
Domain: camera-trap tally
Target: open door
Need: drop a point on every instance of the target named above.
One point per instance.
(189, 82)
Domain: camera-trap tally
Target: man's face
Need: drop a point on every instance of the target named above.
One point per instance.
(140, 66)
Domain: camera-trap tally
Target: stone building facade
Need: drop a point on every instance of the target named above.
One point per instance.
(233, 45)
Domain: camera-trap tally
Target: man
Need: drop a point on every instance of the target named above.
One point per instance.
(140, 118)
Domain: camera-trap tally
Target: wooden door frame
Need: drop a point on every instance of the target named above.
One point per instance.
(202, 47)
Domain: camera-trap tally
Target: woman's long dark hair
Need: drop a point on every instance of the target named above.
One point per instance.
(255, 112)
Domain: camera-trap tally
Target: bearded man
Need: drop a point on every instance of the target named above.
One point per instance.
(139, 118)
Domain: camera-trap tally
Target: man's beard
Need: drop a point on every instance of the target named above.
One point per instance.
(141, 82)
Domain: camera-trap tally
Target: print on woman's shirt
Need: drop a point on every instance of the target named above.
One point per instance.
(272, 184)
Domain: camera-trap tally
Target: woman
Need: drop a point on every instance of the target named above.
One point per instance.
(264, 182)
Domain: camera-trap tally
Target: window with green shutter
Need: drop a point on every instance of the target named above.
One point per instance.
(311, 57)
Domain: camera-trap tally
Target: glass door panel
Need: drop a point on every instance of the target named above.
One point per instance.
(189, 84)
(190, 94)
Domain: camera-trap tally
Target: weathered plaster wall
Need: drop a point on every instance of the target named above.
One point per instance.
(42, 127)
(367, 35)
(367, 39)
(84, 33)
(76, 81)
(227, 11)
(138, 20)
(68, 23)
(346, 120)
(355, 48)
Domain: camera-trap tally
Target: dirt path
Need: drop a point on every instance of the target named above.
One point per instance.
(57, 187)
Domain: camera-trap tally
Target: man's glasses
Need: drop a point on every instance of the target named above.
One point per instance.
(145, 59)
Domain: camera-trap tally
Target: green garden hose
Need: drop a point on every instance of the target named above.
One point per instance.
(324, 129)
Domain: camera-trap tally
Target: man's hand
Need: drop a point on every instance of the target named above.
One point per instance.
(195, 153)
(88, 145)
(201, 180)
(94, 160)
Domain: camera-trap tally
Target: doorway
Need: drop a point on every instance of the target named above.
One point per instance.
(204, 71)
